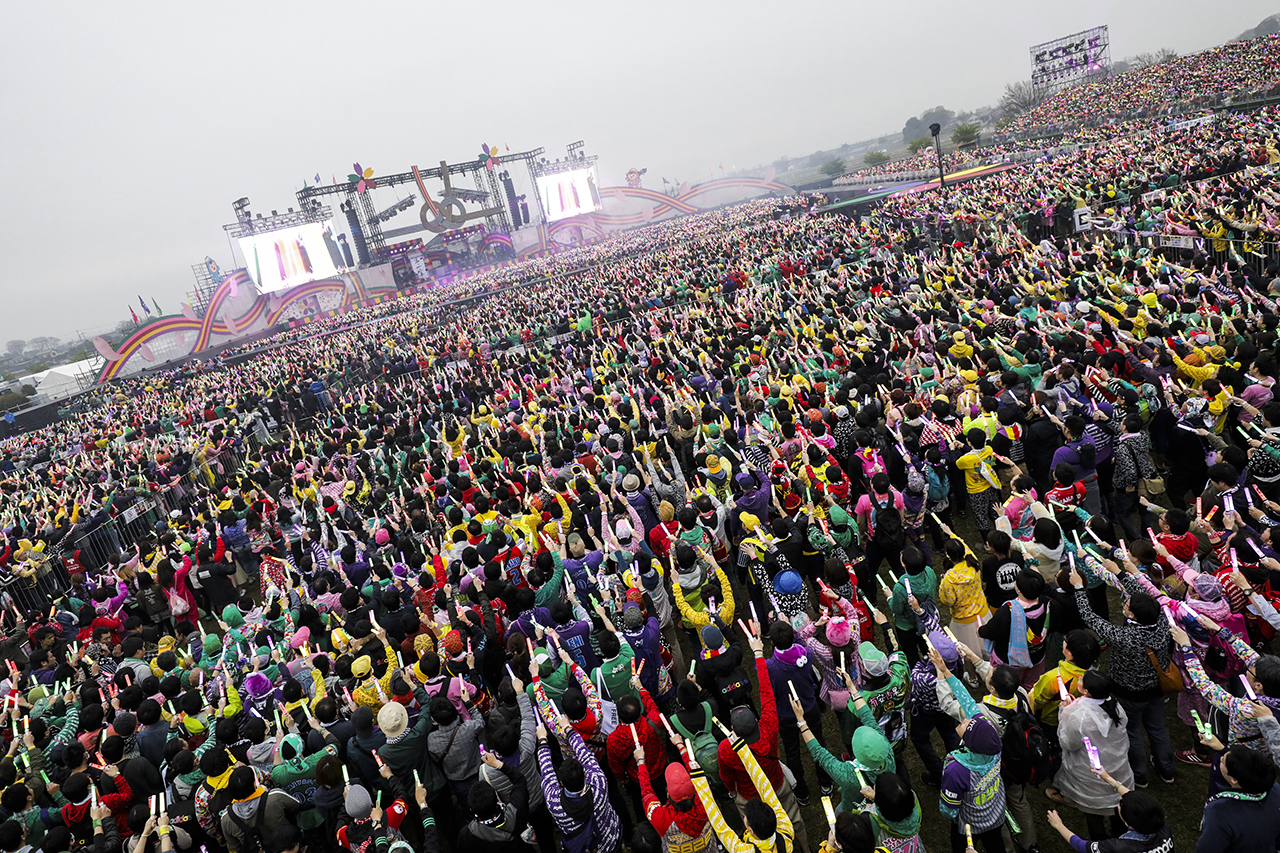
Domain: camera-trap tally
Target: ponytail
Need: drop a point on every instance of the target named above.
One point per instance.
(1099, 687)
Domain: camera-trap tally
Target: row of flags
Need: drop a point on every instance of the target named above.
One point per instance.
(145, 309)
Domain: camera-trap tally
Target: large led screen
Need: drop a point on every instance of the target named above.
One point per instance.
(280, 259)
(569, 194)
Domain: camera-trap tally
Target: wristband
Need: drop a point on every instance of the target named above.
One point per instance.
(97, 823)
(162, 831)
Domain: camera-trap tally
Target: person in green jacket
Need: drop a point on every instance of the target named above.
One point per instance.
(296, 773)
(405, 751)
(872, 753)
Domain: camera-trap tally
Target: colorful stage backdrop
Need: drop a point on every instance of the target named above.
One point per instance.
(237, 309)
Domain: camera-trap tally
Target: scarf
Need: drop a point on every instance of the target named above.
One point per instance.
(794, 655)
(1003, 704)
(219, 782)
(905, 828)
(1238, 795)
(1018, 652)
(974, 762)
(578, 806)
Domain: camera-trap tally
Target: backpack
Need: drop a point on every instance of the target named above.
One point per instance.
(887, 519)
(1028, 757)
(939, 486)
(872, 462)
(252, 829)
(177, 604)
(704, 744)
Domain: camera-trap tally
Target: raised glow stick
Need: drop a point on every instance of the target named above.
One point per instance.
(721, 726)
(968, 836)
(906, 584)
(635, 737)
(1201, 726)
(1094, 761)
(1062, 690)
(1248, 688)
(830, 812)
(346, 778)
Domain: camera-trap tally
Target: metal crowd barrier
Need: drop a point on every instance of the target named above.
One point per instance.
(121, 532)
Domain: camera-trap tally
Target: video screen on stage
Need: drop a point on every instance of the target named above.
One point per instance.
(569, 194)
(292, 256)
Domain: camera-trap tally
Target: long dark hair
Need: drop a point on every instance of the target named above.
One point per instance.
(1100, 687)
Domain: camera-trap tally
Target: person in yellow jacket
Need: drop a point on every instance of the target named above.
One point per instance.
(769, 829)
(960, 347)
(374, 692)
(960, 589)
(693, 609)
(1202, 367)
(1080, 653)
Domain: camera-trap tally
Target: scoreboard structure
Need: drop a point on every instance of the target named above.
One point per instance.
(1070, 60)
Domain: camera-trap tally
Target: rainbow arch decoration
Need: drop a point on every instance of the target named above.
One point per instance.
(359, 287)
(660, 204)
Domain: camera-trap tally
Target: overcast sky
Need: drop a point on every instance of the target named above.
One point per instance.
(129, 128)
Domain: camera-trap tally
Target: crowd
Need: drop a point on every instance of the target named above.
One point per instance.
(1112, 107)
(663, 542)
(1195, 80)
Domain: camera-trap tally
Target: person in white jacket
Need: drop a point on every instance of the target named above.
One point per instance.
(1092, 731)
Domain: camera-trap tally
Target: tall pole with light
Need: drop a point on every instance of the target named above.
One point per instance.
(936, 130)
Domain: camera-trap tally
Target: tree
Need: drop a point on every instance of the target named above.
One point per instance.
(875, 158)
(43, 343)
(965, 134)
(913, 128)
(28, 390)
(16, 347)
(915, 145)
(1018, 98)
(12, 400)
(832, 168)
(941, 115)
(1158, 57)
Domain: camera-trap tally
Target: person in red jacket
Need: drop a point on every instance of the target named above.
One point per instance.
(762, 736)
(75, 814)
(683, 824)
(621, 744)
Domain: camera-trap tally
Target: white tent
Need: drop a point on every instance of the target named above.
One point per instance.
(65, 379)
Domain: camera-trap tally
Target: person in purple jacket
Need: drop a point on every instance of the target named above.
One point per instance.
(790, 667)
(643, 636)
(972, 790)
(756, 493)
(574, 635)
(577, 794)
